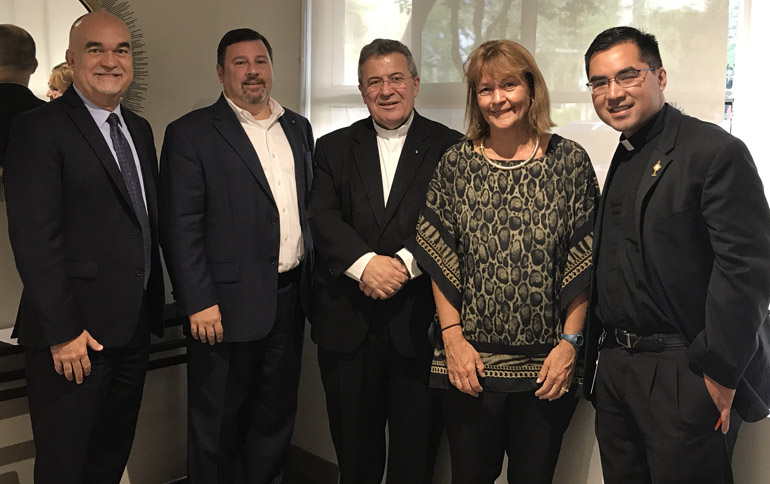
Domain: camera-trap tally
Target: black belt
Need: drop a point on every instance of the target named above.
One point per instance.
(620, 338)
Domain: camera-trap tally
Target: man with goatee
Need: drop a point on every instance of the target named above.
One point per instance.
(235, 178)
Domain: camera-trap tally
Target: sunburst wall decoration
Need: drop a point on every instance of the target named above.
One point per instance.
(135, 96)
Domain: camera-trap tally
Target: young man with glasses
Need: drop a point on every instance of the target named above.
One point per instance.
(677, 327)
(371, 305)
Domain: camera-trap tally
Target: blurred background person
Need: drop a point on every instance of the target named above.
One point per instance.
(59, 81)
(17, 64)
(506, 238)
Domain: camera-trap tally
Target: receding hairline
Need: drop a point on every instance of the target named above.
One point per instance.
(106, 16)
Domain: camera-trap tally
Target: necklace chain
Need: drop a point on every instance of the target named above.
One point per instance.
(483, 152)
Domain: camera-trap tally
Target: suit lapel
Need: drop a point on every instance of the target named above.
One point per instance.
(145, 150)
(367, 158)
(412, 156)
(231, 130)
(656, 167)
(93, 136)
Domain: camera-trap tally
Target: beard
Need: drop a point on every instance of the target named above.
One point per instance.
(250, 97)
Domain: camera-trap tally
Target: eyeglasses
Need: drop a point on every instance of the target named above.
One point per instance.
(395, 81)
(630, 77)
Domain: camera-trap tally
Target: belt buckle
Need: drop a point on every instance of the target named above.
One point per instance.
(627, 340)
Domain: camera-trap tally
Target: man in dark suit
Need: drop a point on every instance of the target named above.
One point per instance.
(80, 186)
(235, 180)
(371, 306)
(682, 280)
(17, 64)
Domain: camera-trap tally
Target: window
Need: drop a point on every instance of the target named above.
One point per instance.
(441, 34)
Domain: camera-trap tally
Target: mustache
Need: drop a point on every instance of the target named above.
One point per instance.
(256, 79)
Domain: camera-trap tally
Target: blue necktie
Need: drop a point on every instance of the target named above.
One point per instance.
(131, 179)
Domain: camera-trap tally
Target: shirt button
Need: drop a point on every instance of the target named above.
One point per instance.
(139, 273)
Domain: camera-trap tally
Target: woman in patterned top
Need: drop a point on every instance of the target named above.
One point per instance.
(506, 238)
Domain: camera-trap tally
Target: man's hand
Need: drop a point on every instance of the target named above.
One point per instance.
(463, 362)
(71, 357)
(556, 373)
(723, 399)
(206, 325)
(383, 277)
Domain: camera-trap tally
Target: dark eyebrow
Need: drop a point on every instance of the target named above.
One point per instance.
(629, 68)
(93, 43)
(622, 71)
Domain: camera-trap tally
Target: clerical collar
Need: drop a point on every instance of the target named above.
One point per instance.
(399, 132)
(646, 132)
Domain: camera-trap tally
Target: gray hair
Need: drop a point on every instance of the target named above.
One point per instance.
(380, 47)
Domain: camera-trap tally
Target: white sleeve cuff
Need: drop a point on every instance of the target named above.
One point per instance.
(411, 264)
(356, 269)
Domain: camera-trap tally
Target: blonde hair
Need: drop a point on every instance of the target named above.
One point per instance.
(61, 77)
(505, 57)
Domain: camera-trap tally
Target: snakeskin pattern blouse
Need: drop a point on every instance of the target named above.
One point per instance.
(509, 250)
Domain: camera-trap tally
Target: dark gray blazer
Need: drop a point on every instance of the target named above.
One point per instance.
(75, 236)
(219, 221)
(349, 219)
(704, 227)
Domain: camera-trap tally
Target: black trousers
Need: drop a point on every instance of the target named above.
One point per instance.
(369, 388)
(655, 421)
(242, 400)
(83, 433)
(481, 430)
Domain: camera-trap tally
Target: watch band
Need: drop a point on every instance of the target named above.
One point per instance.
(575, 340)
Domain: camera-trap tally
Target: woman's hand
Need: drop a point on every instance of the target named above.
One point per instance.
(463, 362)
(557, 372)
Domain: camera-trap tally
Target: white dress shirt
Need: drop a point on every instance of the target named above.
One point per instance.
(277, 159)
(390, 143)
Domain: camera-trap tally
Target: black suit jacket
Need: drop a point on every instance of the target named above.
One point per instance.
(14, 100)
(220, 224)
(349, 219)
(704, 227)
(75, 237)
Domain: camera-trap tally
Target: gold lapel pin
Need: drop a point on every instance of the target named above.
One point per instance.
(656, 168)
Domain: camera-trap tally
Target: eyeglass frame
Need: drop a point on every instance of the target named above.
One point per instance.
(590, 84)
(397, 83)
